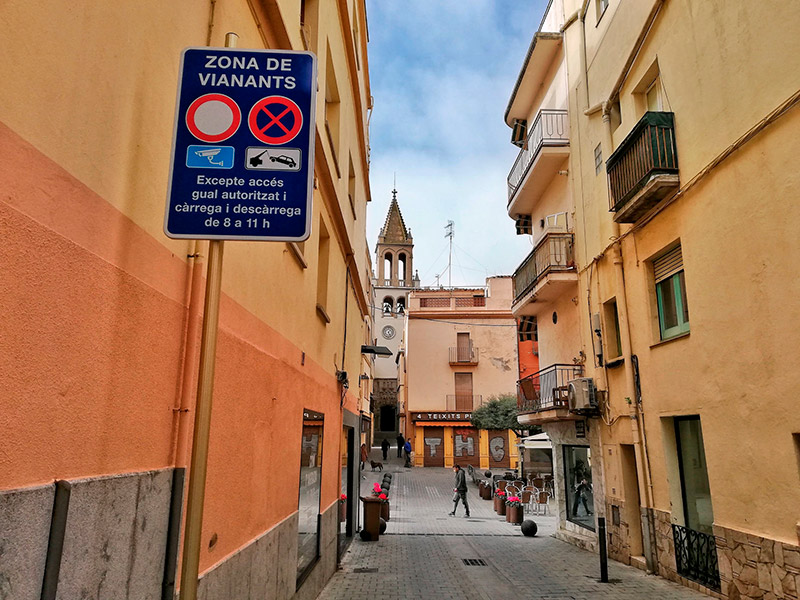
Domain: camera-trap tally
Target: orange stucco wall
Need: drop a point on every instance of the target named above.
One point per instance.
(91, 361)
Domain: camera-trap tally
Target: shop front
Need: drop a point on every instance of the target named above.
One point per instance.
(442, 439)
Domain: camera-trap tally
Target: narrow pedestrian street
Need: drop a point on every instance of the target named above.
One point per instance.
(424, 553)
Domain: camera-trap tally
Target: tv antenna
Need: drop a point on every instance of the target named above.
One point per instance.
(449, 233)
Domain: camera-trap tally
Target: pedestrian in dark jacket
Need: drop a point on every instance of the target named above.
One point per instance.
(385, 448)
(364, 455)
(400, 441)
(460, 490)
(407, 448)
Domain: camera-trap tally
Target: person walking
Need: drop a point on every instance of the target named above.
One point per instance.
(460, 491)
(407, 448)
(385, 448)
(400, 442)
(364, 455)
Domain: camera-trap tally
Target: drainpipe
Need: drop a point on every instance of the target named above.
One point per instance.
(584, 62)
(193, 301)
(635, 413)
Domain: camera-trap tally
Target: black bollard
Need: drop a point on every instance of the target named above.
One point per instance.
(601, 535)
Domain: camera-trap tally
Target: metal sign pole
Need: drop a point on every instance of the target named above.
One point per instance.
(198, 468)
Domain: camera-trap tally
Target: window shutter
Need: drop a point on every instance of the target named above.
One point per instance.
(519, 132)
(524, 225)
(667, 265)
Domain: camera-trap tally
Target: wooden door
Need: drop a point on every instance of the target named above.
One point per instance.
(434, 446)
(463, 385)
(466, 449)
(463, 348)
(498, 449)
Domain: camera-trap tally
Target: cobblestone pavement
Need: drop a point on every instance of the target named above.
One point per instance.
(422, 554)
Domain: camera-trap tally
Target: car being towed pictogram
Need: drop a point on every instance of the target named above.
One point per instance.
(286, 160)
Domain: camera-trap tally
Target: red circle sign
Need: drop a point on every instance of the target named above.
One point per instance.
(213, 118)
(275, 120)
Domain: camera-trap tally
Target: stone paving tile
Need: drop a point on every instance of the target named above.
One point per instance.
(421, 555)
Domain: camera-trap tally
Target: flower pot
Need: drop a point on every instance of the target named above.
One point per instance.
(385, 510)
(514, 514)
(342, 511)
(500, 505)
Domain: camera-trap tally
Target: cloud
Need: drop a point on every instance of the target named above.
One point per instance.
(441, 74)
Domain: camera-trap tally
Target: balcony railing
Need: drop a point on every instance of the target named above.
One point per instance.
(551, 128)
(463, 402)
(552, 253)
(463, 356)
(546, 389)
(648, 150)
(696, 556)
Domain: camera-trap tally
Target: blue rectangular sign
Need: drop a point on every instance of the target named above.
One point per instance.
(242, 163)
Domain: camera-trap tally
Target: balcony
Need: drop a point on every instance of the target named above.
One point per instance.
(460, 356)
(463, 402)
(547, 271)
(545, 149)
(542, 397)
(644, 169)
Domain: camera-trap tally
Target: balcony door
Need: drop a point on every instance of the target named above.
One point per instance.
(463, 347)
(463, 384)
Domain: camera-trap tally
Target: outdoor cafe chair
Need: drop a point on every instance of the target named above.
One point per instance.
(512, 490)
(525, 498)
(542, 503)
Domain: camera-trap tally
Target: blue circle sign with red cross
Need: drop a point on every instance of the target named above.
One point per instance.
(275, 120)
(242, 159)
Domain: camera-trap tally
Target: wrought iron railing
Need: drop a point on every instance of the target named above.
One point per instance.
(551, 128)
(649, 149)
(546, 389)
(696, 556)
(552, 253)
(463, 356)
(463, 402)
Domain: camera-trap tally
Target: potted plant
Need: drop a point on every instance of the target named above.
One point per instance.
(343, 508)
(514, 510)
(384, 506)
(500, 502)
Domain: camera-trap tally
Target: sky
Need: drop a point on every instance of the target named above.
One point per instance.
(441, 75)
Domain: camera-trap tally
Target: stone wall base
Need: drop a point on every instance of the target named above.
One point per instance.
(267, 566)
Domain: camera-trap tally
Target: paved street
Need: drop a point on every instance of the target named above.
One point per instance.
(422, 553)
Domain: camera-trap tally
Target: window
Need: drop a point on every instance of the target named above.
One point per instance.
(613, 341)
(351, 186)
(310, 491)
(578, 486)
(323, 259)
(601, 6)
(698, 512)
(598, 159)
(673, 308)
(653, 96)
(332, 109)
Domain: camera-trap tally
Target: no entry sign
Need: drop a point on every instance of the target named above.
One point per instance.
(243, 148)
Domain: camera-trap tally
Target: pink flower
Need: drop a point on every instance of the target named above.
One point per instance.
(382, 496)
(343, 497)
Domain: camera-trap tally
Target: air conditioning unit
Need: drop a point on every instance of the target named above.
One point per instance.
(582, 396)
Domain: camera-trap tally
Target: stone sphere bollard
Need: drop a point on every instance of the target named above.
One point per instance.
(383, 526)
(529, 528)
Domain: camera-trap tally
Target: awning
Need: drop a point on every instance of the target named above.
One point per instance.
(540, 441)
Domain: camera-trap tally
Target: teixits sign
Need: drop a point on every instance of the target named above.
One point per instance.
(441, 416)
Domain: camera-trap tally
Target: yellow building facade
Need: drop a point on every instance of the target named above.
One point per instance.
(103, 313)
(682, 124)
